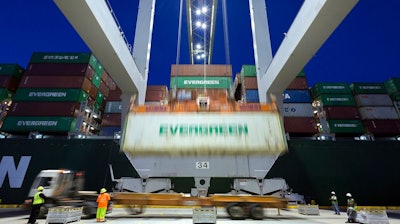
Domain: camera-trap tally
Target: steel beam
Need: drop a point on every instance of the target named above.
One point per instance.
(314, 23)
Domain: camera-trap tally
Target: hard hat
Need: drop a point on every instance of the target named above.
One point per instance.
(40, 188)
(348, 195)
(103, 190)
(332, 192)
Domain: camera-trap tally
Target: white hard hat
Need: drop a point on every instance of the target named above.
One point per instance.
(332, 192)
(348, 195)
(103, 190)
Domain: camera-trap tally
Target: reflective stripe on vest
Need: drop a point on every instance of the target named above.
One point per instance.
(37, 199)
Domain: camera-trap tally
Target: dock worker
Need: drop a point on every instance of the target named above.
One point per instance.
(351, 208)
(335, 203)
(37, 202)
(102, 203)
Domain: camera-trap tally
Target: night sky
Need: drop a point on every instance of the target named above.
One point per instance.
(364, 48)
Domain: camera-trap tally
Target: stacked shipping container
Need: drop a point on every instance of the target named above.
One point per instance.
(376, 109)
(111, 119)
(298, 114)
(188, 82)
(338, 107)
(59, 92)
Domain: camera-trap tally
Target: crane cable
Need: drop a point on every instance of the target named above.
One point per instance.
(178, 47)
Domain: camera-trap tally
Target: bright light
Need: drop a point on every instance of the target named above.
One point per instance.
(203, 55)
(204, 10)
(198, 24)
(198, 46)
(198, 12)
(198, 57)
(204, 26)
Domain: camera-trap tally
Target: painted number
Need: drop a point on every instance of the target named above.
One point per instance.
(202, 165)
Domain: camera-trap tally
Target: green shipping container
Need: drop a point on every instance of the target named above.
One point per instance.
(368, 88)
(96, 79)
(64, 57)
(99, 98)
(346, 126)
(5, 94)
(11, 69)
(41, 124)
(248, 70)
(192, 82)
(301, 74)
(55, 95)
(330, 88)
(336, 100)
(393, 86)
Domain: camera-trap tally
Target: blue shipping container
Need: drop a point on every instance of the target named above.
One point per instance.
(296, 96)
(252, 96)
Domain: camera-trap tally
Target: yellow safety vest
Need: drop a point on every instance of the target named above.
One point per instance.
(37, 199)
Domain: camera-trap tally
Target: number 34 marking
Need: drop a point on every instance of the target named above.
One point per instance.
(202, 165)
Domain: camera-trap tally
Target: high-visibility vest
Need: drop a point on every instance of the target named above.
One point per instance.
(37, 199)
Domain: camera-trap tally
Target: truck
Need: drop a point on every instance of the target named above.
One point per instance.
(64, 187)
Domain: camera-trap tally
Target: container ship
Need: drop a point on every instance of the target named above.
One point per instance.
(64, 111)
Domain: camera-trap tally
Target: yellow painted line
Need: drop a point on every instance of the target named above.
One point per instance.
(11, 206)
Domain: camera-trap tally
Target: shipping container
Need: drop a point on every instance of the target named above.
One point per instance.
(161, 88)
(24, 124)
(99, 98)
(300, 125)
(156, 95)
(111, 119)
(104, 89)
(393, 86)
(109, 130)
(74, 82)
(108, 80)
(61, 57)
(192, 82)
(44, 94)
(368, 88)
(298, 110)
(114, 95)
(346, 126)
(9, 82)
(201, 70)
(341, 113)
(5, 94)
(114, 107)
(249, 82)
(11, 70)
(365, 100)
(296, 96)
(378, 113)
(252, 96)
(299, 82)
(336, 100)
(379, 127)
(96, 79)
(330, 88)
(248, 70)
(60, 70)
(44, 109)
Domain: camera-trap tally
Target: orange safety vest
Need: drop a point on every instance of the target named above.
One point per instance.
(102, 200)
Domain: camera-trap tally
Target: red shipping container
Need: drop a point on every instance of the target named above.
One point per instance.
(250, 82)
(298, 83)
(108, 80)
(300, 125)
(111, 120)
(382, 127)
(103, 88)
(114, 95)
(9, 82)
(155, 95)
(200, 69)
(44, 109)
(342, 113)
(60, 69)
